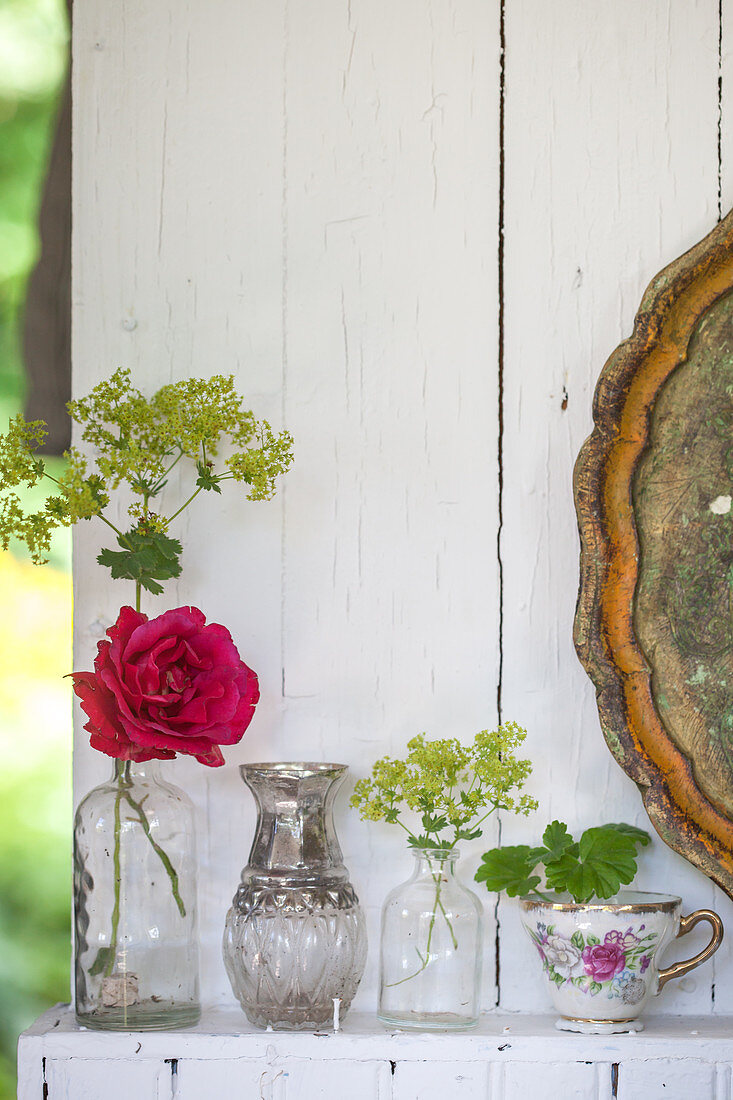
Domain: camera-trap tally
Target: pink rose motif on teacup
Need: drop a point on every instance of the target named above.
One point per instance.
(604, 960)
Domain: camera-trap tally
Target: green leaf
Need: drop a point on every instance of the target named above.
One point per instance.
(557, 978)
(145, 558)
(556, 839)
(592, 940)
(104, 956)
(637, 835)
(206, 479)
(428, 843)
(431, 823)
(577, 940)
(605, 860)
(595, 987)
(509, 869)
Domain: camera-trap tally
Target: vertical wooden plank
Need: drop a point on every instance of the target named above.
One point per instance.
(390, 584)
(611, 172)
(305, 1079)
(178, 271)
(722, 960)
(439, 1080)
(91, 1078)
(672, 1078)
(232, 1077)
(292, 1079)
(570, 1080)
(725, 119)
(30, 1067)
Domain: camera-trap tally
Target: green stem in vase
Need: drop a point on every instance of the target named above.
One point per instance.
(170, 870)
(437, 904)
(107, 956)
(112, 953)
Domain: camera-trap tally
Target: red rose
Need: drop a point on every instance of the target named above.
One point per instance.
(167, 685)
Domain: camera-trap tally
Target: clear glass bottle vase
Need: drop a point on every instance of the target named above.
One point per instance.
(136, 946)
(431, 948)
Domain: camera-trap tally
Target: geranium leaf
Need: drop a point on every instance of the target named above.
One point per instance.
(637, 835)
(556, 839)
(509, 869)
(605, 860)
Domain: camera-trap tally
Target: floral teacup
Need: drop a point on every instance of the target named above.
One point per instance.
(600, 958)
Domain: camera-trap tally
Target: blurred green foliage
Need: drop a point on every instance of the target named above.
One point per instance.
(35, 706)
(33, 51)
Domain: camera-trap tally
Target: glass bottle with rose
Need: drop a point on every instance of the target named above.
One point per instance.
(431, 936)
(170, 685)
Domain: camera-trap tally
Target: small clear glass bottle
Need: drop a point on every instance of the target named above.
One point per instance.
(136, 946)
(431, 946)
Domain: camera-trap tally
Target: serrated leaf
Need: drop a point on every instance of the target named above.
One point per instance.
(637, 835)
(509, 869)
(569, 874)
(556, 839)
(144, 558)
(206, 479)
(605, 860)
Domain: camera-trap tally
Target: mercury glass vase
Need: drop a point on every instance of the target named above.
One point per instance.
(136, 946)
(295, 937)
(430, 960)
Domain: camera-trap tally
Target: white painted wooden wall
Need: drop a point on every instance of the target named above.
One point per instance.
(307, 193)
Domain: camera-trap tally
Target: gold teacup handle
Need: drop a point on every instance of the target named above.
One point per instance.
(686, 923)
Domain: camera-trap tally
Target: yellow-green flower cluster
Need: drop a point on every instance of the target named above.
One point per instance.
(83, 495)
(136, 438)
(259, 466)
(137, 442)
(18, 465)
(453, 788)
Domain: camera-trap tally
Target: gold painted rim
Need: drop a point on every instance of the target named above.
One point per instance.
(668, 904)
(598, 1019)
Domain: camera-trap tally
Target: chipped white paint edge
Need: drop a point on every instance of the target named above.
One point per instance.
(225, 1033)
(502, 1054)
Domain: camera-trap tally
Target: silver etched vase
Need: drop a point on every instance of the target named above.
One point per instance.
(295, 936)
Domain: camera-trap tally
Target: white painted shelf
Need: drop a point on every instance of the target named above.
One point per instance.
(675, 1058)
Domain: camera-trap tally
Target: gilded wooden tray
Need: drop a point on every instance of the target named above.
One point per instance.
(653, 492)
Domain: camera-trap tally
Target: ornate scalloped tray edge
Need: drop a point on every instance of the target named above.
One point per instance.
(625, 633)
